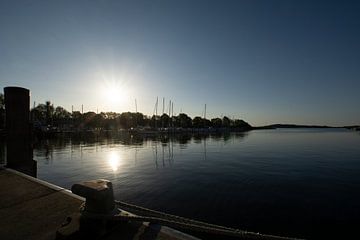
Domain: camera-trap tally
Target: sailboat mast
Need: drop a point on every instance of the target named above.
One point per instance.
(172, 114)
(205, 112)
(169, 107)
(157, 102)
(163, 106)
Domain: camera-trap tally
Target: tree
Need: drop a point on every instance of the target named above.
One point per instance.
(165, 120)
(198, 122)
(112, 120)
(99, 121)
(49, 112)
(46, 114)
(127, 120)
(61, 113)
(155, 121)
(61, 117)
(76, 118)
(139, 119)
(216, 122)
(175, 121)
(112, 115)
(184, 120)
(39, 113)
(89, 120)
(207, 122)
(241, 124)
(226, 122)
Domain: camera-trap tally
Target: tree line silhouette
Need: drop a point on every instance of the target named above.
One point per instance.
(2, 111)
(58, 117)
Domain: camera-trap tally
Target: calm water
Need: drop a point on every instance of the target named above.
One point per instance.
(303, 183)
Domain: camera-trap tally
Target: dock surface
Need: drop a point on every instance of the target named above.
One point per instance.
(34, 209)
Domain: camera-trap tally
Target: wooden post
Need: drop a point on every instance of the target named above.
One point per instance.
(18, 130)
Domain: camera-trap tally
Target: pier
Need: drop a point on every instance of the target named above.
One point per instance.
(34, 209)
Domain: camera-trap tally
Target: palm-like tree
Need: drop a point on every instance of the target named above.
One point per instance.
(49, 112)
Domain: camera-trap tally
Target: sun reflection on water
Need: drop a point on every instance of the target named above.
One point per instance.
(114, 161)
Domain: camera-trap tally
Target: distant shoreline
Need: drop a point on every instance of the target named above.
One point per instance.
(188, 131)
(275, 126)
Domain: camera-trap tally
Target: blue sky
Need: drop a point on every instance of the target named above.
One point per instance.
(262, 61)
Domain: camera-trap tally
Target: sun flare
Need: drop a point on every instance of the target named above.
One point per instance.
(114, 95)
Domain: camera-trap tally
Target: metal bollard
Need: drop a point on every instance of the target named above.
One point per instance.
(99, 196)
(93, 221)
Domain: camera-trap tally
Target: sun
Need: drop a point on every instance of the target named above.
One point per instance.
(114, 95)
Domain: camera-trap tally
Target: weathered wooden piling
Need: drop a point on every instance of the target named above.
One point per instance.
(18, 131)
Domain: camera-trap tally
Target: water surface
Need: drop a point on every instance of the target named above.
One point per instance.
(295, 182)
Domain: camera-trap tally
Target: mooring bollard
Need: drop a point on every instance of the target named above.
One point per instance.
(99, 197)
(93, 222)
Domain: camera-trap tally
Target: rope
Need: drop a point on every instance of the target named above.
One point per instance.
(148, 215)
(152, 213)
(204, 229)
